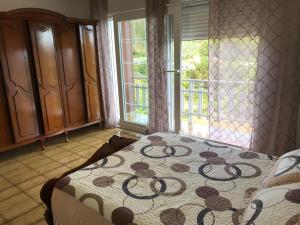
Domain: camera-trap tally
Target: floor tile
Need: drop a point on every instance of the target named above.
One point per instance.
(4, 184)
(71, 145)
(46, 168)
(88, 152)
(79, 148)
(34, 192)
(32, 217)
(51, 152)
(23, 172)
(56, 172)
(7, 160)
(16, 206)
(36, 161)
(32, 182)
(9, 192)
(76, 162)
(65, 157)
(41, 163)
(11, 168)
(27, 174)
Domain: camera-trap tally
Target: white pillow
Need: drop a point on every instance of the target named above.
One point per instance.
(286, 170)
(278, 205)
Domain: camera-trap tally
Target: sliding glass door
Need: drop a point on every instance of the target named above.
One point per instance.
(131, 52)
(194, 105)
(173, 66)
(187, 28)
(187, 67)
(131, 56)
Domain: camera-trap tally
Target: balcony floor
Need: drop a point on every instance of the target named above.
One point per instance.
(228, 134)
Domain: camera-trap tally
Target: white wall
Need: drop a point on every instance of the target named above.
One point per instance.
(70, 8)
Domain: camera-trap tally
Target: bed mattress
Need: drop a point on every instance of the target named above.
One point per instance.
(162, 179)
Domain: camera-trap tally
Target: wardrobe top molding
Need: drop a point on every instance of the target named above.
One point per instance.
(43, 15)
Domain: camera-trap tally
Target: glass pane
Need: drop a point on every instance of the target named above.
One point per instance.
(170, 69)
(194, 88)
(133, 47)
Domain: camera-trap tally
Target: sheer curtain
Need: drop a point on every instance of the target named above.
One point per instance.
(253, 81)
(109, 100)
(278, 90)
(156, 46)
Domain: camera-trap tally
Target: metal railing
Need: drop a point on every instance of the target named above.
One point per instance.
(140, 94)
(232, 100)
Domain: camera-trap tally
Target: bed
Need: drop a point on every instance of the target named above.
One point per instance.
(165, 179)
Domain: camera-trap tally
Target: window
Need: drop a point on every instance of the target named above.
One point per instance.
(133, 74)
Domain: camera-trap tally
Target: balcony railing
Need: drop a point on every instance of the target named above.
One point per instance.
(233, 98)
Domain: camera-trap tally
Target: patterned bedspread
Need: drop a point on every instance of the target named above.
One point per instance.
(172, 180)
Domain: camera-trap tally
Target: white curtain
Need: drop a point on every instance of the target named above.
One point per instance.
(253, 78)
(106, 75)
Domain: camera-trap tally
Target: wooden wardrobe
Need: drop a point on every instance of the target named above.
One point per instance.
(50, 81)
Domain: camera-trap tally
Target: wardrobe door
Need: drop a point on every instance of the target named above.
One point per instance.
(5, 132)
(17, 77)
(71, 78)
(90, 72)
(47, 72)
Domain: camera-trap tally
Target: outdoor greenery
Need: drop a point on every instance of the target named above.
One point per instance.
(195, 59)
(194, 65)
(238, 65)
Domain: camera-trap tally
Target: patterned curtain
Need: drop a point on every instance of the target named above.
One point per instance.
(253, 81)
(278, 90)
(156, 44)
(109, 101)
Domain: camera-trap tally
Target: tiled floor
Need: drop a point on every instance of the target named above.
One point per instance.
(23, 171)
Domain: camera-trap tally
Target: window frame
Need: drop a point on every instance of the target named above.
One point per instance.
(118, 17)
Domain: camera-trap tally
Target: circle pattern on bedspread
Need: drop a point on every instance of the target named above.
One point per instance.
(95, 197)
(145, 173)
(126, 190)
(164, 193)
(187, 140)
(104, 181)
(172, 217)
(256, 174)
(180, 167)
(154, 138)
(207, 154)
(139, 166)
(249, 155)
(216, 160)
(293, 220)
(63, 182)
(105, 163)
(237, 174)
(122, 215)
(128, 148)
(178, 150)
(148, 148)
(206, 191)
(293, 196)
(217, 203)
(141, 178)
